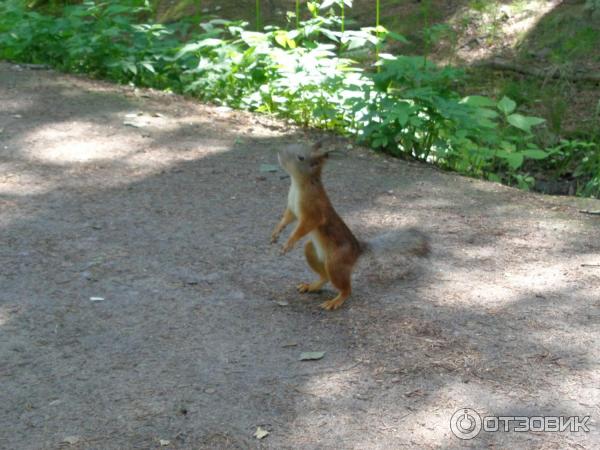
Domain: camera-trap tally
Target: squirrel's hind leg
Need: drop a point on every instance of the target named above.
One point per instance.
(315, 264)
(340, 276)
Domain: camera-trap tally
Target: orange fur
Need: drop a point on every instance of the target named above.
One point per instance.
(333, 250)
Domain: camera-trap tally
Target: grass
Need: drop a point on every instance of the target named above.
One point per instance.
(577, 43)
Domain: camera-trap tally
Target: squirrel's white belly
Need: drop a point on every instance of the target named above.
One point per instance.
(318, 247)
(294, 199)
(294, 206)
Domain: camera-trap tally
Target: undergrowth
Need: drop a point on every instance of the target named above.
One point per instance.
(306, 72)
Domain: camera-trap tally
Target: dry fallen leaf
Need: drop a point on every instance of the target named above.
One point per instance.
(71, 440)
(311, 356)
(130, 123)
(265, 168)
(261, 433)
(415, 393)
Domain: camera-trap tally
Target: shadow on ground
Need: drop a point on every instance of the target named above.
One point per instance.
(163, 208)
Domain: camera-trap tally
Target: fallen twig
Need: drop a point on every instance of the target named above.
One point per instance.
(321, 372)
(500, 64)
(32, 66)
(592, 213)
(590, 265)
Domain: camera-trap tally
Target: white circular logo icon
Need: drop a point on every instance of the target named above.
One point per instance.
(465, 423)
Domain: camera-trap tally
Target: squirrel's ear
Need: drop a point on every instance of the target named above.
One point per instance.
(317, 146)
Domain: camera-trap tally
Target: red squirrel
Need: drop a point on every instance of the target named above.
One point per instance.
(332, 250)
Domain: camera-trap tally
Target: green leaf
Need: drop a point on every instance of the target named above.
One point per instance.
(354, 41)
(328, 4)
(478, 100)
(535, 154)
(397, 37)
(506, 105)
(415, 121)
(188, 48)
(487, 113)
(514, 160)
(401, 113)
(508, 146)
(524, 122)
(210, 42)
(486, 123)
(494, 177)
(283, 38)
(254, 38)
(130, 66)
(333, 35)
(379, 142)
(148, 66)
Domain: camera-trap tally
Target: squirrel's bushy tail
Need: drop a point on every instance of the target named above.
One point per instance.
(387, 256)
(406, 241)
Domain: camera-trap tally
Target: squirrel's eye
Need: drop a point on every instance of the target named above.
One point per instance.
(301, 158)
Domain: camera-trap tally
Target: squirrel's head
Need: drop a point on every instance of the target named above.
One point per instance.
(302, 160)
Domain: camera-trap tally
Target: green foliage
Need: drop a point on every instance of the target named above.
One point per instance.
(416, 112)
(408, 107)
(578, 41)
(94, 38)
(579, 160)
(592, 4)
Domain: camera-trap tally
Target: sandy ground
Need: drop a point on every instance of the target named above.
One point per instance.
(163, 208)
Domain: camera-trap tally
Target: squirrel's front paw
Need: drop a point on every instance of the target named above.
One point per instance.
(287, 247)
(274, 237)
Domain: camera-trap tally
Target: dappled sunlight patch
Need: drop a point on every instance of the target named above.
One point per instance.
(400, 414)
(71, 142)
(433, 202)
(4, 317)
(558, 227)
(537, 277)
(468, 286)
(157, 159)
(74, 151)
(140, 140)
(428, 425)
(525, 20)
(21, 184)
(476, 278)
(381, 220)
(493, 25)
(419, 409)
(331, 385)
(338, 419)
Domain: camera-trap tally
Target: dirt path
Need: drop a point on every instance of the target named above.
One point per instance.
(198, 336)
